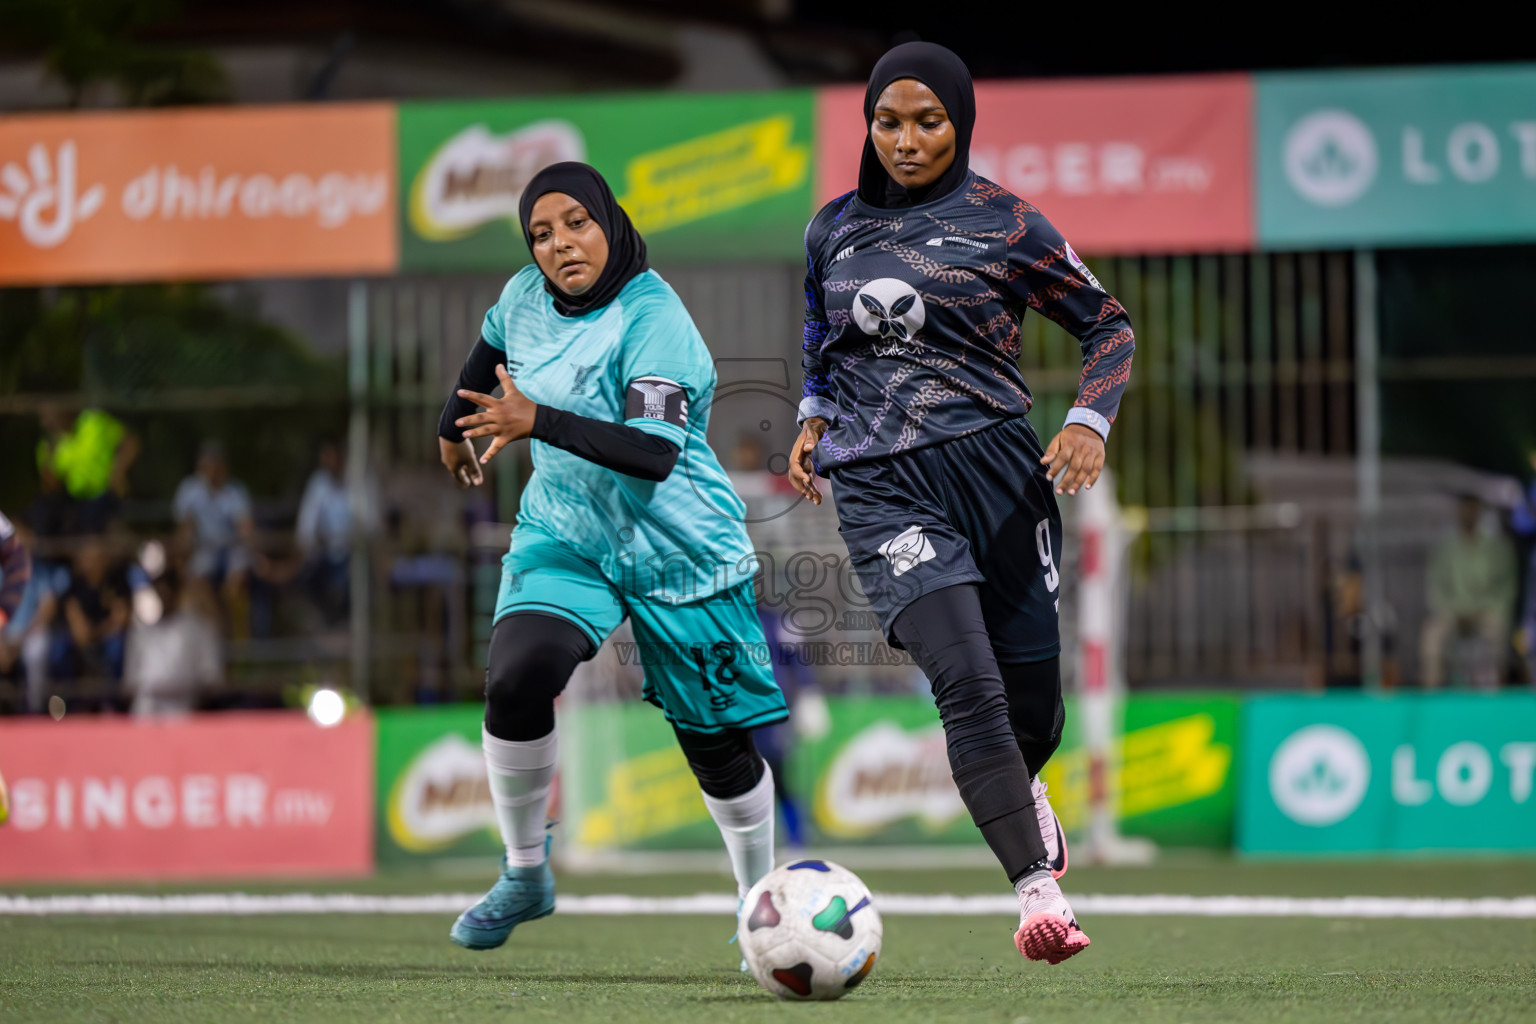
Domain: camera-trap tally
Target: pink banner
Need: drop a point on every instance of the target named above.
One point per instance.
(235, 794)
(1132, 165)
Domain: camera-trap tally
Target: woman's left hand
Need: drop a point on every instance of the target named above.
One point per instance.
(1074, 459)
(505, 419)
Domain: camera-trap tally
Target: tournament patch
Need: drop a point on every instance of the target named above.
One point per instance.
(656, 398)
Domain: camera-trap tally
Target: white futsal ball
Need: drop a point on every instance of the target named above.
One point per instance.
(809, 930)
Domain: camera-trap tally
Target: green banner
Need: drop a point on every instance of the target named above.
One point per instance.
(1408, 773)
(1421, 157)
(1178, 786)
(434, 800)
(879, 773)
(705, 178)
(625, 782)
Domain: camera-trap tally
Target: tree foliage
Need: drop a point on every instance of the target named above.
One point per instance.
(86, 43)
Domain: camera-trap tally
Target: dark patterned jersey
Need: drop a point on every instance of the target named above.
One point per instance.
(912, 320)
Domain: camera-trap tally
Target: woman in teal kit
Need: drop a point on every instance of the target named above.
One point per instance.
(602, 367)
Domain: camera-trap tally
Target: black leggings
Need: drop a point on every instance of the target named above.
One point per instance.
(531, 659)
(1002, 723)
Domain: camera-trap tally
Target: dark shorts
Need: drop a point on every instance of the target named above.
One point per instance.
(976, 509)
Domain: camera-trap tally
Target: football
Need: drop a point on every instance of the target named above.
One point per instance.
(810, 930)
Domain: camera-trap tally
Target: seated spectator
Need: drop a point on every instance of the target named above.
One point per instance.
(51, 518)
(213, 514)
(1471, 596)
(25, 640)
(1345, 622)
(173, 651)
(324, 533)
(95, 610)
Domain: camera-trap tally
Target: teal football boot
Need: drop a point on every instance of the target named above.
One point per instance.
(519, 895)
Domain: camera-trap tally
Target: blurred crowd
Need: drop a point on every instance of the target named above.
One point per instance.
(1479, 627)
(110, 618)
(121, 621)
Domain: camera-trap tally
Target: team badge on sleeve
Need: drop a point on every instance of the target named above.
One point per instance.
(656, 398)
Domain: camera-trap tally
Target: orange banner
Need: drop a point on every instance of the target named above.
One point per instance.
(195, 194)
(232, 794)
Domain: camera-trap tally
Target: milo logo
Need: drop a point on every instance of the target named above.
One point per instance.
(476, 177)
(442, 796)
(885, 774)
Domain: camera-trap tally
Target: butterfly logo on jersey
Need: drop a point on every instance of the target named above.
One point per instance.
(890, 309)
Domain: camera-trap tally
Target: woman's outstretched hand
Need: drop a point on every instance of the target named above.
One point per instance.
(802, 474)
(505, 419)
(1074, 459)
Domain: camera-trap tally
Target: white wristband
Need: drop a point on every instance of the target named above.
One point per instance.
(1088, 418)
(816, 405)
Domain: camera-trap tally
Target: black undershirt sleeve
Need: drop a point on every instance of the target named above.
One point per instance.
(623, 449)
(616, 446)
(479, 374)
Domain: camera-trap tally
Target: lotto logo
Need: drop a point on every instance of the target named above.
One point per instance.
(1330, 157)
(1319, 775)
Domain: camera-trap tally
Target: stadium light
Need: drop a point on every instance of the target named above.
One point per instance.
(327, 708)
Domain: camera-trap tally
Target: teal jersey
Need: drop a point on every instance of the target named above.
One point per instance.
(678, 540)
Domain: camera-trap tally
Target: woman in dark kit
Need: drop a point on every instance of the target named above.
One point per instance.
(915, 409)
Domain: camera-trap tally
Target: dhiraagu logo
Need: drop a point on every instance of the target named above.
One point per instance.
(44, 197)
(1330, 157)
(1319, 775)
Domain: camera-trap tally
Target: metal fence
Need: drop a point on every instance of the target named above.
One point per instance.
(1234, 449)
(1236, 355)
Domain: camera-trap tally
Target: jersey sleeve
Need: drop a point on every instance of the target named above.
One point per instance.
(664, 369)
(493, 329)
(816, 394)
(1048, 276)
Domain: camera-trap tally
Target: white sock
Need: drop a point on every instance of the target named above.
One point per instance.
(746, 825)
(520, 777)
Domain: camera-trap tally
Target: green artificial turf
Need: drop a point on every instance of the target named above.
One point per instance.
(626, 970)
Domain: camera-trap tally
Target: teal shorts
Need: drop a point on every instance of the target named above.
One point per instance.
(707, 664)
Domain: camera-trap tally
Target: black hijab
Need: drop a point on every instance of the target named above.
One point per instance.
(626, 249)
(946, 74)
